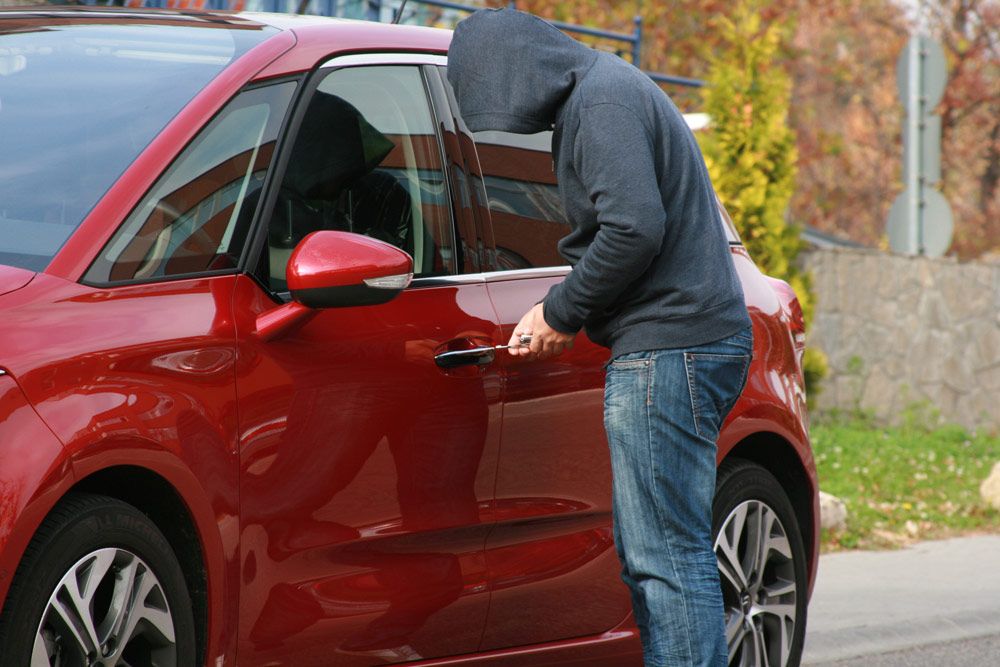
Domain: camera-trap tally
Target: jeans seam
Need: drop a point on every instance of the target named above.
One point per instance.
(746, 373)
(666, 542)
(650, 374)
(689, 371)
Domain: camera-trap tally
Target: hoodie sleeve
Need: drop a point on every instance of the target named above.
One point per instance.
(613, 156)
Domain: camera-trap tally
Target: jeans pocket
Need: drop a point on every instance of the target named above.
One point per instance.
(628, 364)
(715, 382)
(629, 361)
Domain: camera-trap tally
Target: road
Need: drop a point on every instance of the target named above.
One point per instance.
(979, 652)
(905, 604)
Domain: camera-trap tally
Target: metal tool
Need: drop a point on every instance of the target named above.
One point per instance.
(476, 356)
(523, 340)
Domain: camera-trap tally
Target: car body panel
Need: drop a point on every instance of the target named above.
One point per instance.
(774, 400)
(121, 379)
(367, 479)
(552, 548)
(12, 278)
(31, 479)
(320, 39)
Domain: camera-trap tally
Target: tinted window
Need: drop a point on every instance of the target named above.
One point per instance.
(196, 218)
(366, 160)
(77, 105)
(527, 213)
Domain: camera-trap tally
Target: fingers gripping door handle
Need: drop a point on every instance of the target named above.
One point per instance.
(476, 356)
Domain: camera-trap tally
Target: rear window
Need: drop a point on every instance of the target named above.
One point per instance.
(524, 202)
(78, 103)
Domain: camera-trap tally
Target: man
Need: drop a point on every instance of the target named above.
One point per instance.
(652, 279)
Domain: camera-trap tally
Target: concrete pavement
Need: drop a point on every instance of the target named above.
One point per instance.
(869, 602)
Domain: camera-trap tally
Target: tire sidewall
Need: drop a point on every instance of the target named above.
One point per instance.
(59, 545)
(741, 481)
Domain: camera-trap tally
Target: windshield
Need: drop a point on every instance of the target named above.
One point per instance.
(79, 102)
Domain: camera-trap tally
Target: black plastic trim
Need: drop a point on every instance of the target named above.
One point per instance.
(343, 295)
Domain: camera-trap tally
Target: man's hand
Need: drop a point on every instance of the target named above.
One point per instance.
(545, 341)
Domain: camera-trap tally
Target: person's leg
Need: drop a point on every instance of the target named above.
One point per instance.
(662, 414)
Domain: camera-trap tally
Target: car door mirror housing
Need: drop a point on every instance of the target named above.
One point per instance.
(332, 269)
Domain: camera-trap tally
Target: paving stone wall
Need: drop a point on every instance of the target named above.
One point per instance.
(900, 330)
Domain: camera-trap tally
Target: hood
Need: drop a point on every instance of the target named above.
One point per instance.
(13, 278)
(512, 71)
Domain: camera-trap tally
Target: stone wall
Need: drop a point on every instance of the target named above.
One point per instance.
(900, 330)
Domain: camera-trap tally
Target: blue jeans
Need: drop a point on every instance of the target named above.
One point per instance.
(662, 413)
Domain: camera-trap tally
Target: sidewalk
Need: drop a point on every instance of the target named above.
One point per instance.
(869, 602)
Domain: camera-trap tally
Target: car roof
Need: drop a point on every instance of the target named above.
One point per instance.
(29, 17)
(315, 36)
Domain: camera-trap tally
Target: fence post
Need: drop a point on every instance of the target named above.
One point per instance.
(374, 10)
(637, 41)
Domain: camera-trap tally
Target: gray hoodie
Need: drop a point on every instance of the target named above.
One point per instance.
(651, 263)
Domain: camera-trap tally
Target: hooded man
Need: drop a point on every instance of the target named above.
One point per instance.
(652, 279)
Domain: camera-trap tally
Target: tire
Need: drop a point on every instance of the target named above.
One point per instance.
(765, 599)
(94, 554)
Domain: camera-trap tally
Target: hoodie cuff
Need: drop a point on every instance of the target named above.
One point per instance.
(554, 314)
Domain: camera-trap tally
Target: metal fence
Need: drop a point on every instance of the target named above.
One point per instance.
(384, 10)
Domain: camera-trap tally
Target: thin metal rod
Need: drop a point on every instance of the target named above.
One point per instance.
(399, 12)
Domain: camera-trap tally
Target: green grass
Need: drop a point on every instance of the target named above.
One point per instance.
(917, 480)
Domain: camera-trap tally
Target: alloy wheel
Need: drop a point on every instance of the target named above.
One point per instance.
(757, 573)
(108, 610)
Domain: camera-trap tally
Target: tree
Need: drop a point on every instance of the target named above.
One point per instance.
(847, 116)
(844, 108)
(750, 150)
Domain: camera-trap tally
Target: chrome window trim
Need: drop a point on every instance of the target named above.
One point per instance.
(476, 278)
(385, 58)
(491, 277)
(523, 274)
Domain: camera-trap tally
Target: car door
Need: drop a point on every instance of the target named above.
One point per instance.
(367, 469)
(553, 570)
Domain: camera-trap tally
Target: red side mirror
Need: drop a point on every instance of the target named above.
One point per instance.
(330, 269)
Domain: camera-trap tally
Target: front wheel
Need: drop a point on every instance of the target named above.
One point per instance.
(762, 567)
(99, 586)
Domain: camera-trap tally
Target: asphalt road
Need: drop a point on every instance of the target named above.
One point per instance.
(902, 607)
(980, 652)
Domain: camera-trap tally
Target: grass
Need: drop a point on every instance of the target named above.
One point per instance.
(917, 480)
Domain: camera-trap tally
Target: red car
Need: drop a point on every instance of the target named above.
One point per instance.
(233, 430)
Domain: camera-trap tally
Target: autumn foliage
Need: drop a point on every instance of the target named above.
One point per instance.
(844, 110)
(750, 150)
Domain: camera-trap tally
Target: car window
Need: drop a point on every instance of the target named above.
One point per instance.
(727, 222)
(195, 219)
(459, 149)
(78, 104)
(525, 207)
(366, 159)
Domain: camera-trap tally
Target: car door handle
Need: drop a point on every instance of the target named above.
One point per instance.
(477, 356)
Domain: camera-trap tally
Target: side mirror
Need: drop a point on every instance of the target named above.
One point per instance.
(330, 269)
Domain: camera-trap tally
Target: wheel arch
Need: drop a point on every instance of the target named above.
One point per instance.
(157, 498)
(779, 457)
